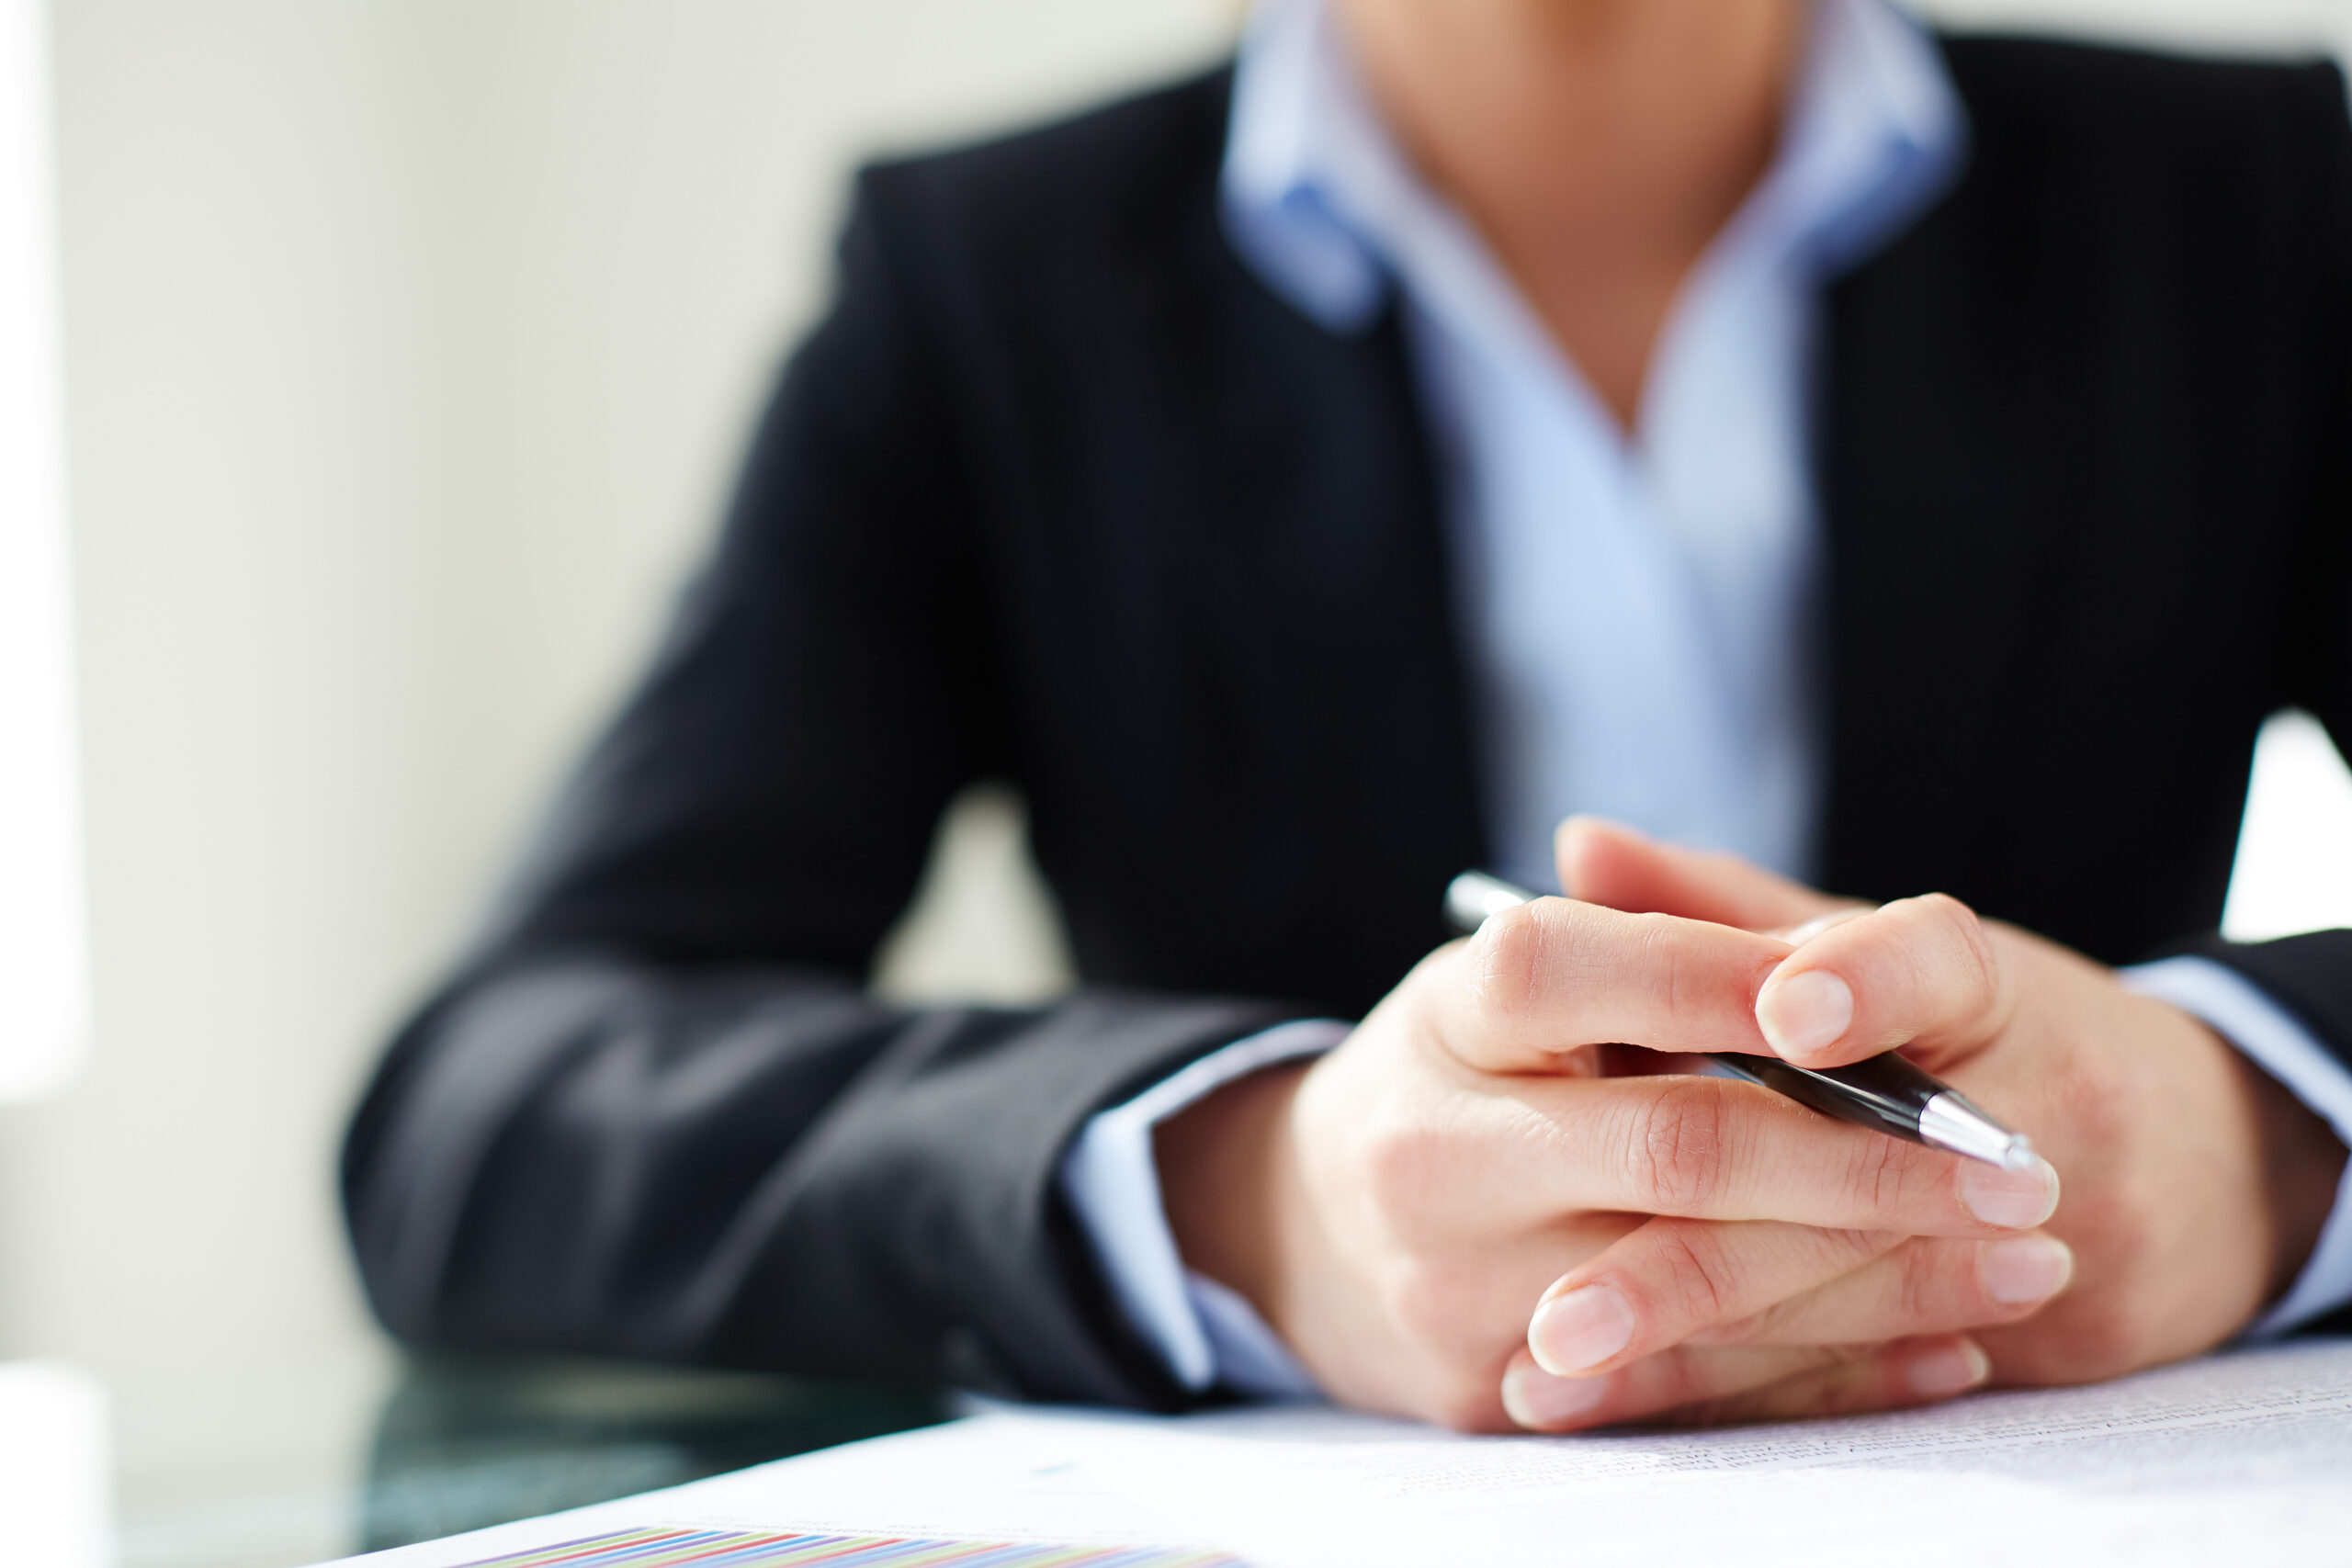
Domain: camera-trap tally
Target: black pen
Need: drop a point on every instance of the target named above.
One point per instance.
(1885, 1093)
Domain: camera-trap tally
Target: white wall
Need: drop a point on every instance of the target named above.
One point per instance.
(243, 369)
(408, 342)
(408, 346)
(2223, 25)
(44, 958)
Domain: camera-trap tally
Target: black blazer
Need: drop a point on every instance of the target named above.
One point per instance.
(1059, 492)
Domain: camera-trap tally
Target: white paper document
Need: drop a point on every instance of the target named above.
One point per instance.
(2240, 1458)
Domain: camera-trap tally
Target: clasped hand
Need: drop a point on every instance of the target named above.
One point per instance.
(1510, 1199)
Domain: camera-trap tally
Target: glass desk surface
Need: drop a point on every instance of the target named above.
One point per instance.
(448, 1443)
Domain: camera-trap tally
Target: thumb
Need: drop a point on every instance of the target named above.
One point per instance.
(1606, 863)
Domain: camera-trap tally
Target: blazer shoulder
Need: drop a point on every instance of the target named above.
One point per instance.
(1058, 186)
(2119, 99)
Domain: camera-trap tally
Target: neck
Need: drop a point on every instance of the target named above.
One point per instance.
(1599, 145)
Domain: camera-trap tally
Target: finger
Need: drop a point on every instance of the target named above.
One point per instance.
(1688, 1385)
(1798, 935)
(1543, 1402)
(1917, 972)
(1606, 863)
(1545, 979)
(1894, 1377)
(1928, 1285)
(1672, 1278)
(1701, 1148)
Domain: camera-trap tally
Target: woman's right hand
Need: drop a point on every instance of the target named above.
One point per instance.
(1396, 1210)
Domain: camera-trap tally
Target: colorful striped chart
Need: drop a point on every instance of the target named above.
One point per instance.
(668, 1548)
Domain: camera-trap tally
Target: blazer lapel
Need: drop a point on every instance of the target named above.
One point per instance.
(1279, 559)
(1322, 564)
(1934, 446)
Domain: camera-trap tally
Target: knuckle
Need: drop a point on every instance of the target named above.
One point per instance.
(1400, 1159)
(1923, 1288)
(1665, 965)
(1466, 1403)
(1681, 1381)
(1504, 960)
(1689, 1263)
(1690, 1390)
(1724, 1410)
(2102, 1111)
(1679, 1147)
(1429, 1303)
(1851, 1389)
(1769, 1400)
(1883, 1176)
(1944, 906)
(1968, 933)
(1748, 1330)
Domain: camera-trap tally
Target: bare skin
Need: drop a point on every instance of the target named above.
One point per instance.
(1598, 145)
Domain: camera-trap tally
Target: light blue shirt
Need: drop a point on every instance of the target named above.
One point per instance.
(1635, 607)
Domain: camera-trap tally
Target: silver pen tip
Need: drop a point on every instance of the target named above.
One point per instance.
(1951, 1121)
(1473, 896)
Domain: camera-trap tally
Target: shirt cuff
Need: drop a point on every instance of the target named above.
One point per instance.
(2237, 1009)
(1207, 1334)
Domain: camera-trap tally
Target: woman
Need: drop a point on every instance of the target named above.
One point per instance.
(1909, 464)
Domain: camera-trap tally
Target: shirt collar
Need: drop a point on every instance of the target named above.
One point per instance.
(1317, 198)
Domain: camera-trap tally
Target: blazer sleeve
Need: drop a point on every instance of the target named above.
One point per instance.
(654, 1113)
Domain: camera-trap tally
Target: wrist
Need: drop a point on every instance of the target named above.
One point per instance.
(1219, 1167)
(2302, 1163)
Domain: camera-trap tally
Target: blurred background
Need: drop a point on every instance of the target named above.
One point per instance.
(406, 346)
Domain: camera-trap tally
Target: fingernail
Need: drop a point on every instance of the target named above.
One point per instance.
(2014, 1200)
(1954, 1370)
(1580, 1329)
(1537, 1400)
(2021, 1269)
(1805, 1012)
